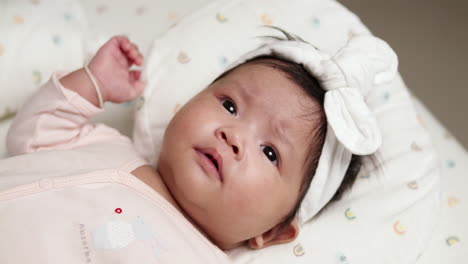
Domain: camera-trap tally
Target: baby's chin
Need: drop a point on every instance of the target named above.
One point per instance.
(221, 231)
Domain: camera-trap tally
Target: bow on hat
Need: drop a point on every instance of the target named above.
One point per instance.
(348, 76)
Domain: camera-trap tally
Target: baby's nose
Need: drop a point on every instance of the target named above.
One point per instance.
(235, 149)
(232, 139)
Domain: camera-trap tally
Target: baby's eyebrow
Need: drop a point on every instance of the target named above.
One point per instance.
(278, 129)
(244, 91)
(280, 133)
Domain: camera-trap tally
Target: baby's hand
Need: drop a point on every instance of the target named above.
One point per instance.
(110, 67)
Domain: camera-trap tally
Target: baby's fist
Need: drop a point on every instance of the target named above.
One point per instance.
(110, 67)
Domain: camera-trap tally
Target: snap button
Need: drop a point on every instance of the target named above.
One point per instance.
(46, 183)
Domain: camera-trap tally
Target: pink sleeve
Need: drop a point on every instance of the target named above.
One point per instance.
(56, 118)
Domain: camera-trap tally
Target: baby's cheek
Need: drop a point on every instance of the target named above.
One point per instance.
(255, 200)
(194, 116)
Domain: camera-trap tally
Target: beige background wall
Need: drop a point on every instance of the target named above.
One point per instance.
(431, 40)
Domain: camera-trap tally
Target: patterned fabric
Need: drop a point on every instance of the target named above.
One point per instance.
(38, 37)
(448, 244)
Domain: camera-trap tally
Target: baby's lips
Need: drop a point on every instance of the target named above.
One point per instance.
(215, 155)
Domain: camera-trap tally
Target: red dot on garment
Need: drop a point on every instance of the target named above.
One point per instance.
(118, 210)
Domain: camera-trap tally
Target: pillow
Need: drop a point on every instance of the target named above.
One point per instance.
(38, 37)
(389, 214)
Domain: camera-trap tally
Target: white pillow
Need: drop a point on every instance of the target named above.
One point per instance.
(391, 210)
(37, 38)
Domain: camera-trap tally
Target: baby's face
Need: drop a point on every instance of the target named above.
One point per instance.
(253, 123)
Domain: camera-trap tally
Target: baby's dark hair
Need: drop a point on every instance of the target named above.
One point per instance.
(298, 74)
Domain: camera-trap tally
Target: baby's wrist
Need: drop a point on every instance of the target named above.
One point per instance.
(79, 82)
(96, 86)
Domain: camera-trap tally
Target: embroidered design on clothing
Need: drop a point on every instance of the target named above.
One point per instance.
(117, 234)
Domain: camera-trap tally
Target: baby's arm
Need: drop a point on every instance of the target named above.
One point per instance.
(56, 116)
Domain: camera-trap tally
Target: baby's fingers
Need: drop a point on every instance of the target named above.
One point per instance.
(135, 76)
(136, 57)
(137, 83)
(132, 53)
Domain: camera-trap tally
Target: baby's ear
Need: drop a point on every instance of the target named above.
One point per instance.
(275, 236)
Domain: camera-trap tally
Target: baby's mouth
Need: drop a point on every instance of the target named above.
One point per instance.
(215, 162)
(213, 156)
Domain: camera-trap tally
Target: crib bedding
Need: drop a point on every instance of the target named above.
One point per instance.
(448, 243)
(145, 19)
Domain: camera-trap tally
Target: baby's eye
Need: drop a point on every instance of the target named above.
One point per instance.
(230, 106)
(270, 153)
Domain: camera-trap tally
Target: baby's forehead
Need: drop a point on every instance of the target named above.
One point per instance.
(274, 96)
(264, 82)
(258, 74)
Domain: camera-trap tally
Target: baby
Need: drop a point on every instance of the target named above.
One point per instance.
(236, 163)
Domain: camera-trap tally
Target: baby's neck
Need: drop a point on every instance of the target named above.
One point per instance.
(151, 177)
